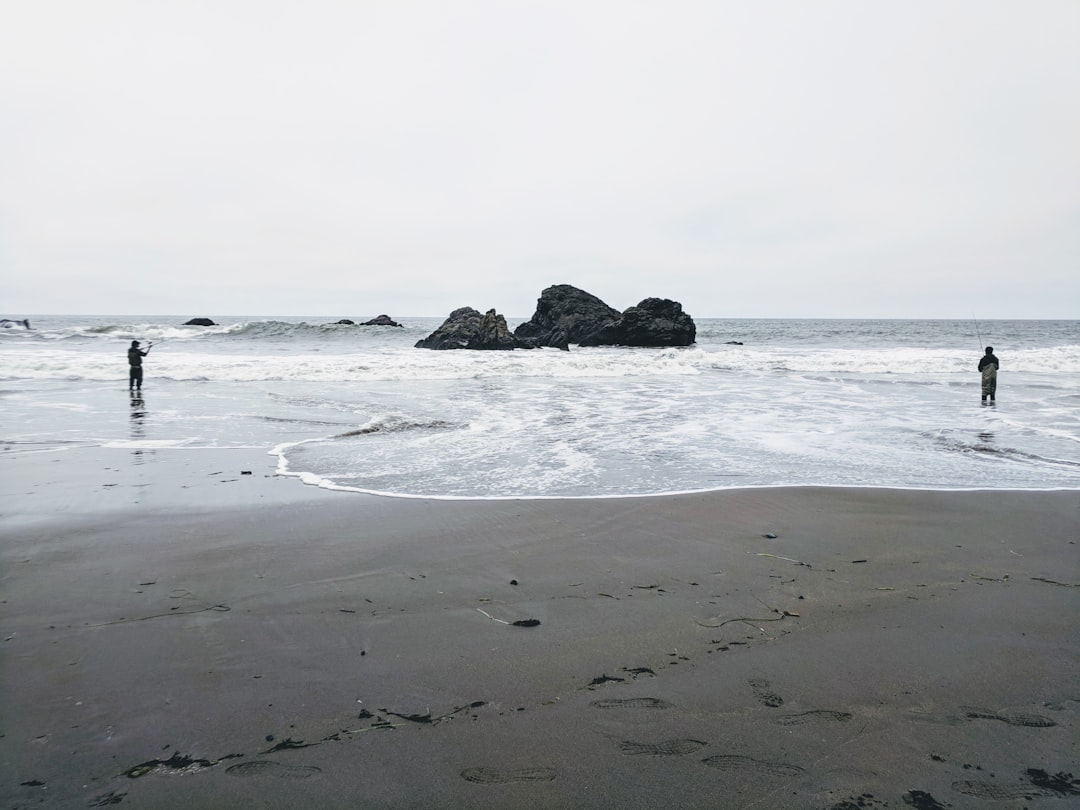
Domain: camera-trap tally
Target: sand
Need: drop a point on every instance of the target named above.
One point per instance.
(189, 630)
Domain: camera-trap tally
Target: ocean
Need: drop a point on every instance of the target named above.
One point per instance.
(755, 403)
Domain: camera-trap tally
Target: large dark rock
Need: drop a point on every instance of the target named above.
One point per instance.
(653, 322)
(466, 328)
(199, 322)
(381, 320)
(564, 315)
(344, 322)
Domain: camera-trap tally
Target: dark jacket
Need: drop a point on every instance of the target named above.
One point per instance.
(986, 360)
(135, 356)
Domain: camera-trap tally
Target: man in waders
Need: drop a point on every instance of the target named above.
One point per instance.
(135, 356)
(988, 365)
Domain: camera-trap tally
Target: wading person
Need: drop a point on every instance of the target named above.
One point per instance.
(988, 365)
(135, 356)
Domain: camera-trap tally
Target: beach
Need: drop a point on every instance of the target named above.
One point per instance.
(539, 406)
(200, 632)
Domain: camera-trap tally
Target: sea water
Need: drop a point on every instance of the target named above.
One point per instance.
(753, 403)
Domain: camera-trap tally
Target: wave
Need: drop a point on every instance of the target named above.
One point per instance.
(284, 420)
(983, 445)
(119, 333)
(184, 362)
(273, 330)
(889, 361)
(258, 330)
(393, 423)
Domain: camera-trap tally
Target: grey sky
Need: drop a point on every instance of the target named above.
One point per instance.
(786, 159)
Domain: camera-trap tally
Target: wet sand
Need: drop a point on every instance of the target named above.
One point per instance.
(177, 633)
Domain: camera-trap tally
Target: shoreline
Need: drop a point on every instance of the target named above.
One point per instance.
(307, 480)
(96, 479)
(184, 635)
(312, 480)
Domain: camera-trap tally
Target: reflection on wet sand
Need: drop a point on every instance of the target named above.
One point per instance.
(138, 426)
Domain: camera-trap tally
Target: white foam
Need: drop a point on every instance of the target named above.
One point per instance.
(407, 364)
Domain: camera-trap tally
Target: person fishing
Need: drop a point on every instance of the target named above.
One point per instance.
(135, 356)
(988, 365)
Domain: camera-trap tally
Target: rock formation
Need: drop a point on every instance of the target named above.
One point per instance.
(200, 322)
(653, 322)
(565, 314)
(466, 328)
(381, 320)
(344, 322)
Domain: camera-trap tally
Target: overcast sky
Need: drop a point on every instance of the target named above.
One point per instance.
(357, 157)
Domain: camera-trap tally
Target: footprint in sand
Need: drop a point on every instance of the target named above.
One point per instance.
(764, 693)
(631, 703)
(667, 748)
(1040, 783)
(813, 716)
(499, 776)
(268, 767)
(733, 763)
(864, 801)
(992, 790)
(1012, 718)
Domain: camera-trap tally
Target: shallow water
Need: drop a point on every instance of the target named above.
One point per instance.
(831, 402)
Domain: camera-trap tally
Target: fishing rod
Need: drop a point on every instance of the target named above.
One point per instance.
(977, 332)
